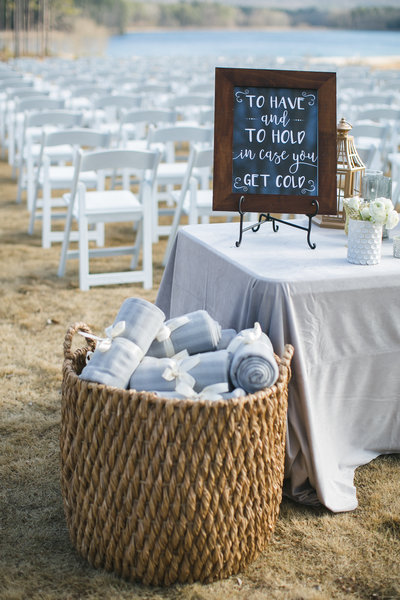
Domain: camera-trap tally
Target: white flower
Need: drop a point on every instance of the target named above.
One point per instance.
(353, 202)
(364, 212)
(392, 219)
(377, 211)
(388, 204)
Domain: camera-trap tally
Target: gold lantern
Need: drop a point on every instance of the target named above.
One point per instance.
(349, 171)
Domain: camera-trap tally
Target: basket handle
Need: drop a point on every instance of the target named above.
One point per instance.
(287, 354)
(72, 329)
(286, 359)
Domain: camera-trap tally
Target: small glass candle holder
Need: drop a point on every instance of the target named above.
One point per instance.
(384, 187)
(370, 184)
(396, 246)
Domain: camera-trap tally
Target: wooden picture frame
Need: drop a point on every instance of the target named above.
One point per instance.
(270, 111)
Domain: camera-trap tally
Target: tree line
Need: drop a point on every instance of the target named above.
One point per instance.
(35, 19)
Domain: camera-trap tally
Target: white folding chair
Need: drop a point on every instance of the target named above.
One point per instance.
(189, 106)
(385, 115)
(108, 110)
(21, 103)
(394, 161)
(50, 176)
(81, 96)
(135, 124)
(8, 96)
(110, 206)
(194, 198)
(370, 139)
(177, 141)
(29, 145)
(155, 93)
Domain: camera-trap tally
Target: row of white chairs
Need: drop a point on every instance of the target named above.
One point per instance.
(51, 153)
(105, 111)
(92, 204)
(47, 142)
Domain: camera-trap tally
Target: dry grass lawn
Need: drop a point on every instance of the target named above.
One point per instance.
(314, 554)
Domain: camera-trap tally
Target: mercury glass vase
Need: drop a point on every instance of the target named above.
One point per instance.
(364, 242)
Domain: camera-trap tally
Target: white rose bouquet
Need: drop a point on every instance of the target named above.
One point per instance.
(380, 211)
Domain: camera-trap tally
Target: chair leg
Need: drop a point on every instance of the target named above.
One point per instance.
(46, 216)
(65, 242)
(20, 184)
(30, 178)
(154, 219)
(83, 254)
(33, 211)
(147, 244)
(138, 245)
(99, 234)
(172, 233)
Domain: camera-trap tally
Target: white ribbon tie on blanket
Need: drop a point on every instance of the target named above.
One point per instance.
(165, 331)
(104, 344)
(249, 336)
(180, 374)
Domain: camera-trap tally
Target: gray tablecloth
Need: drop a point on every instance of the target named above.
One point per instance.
(343, 321)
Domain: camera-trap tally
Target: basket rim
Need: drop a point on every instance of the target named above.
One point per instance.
(68, 370)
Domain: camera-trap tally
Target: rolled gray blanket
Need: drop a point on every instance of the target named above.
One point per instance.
(227, 336)
(114, 366)
(118, 355)
(209, 368)
(143, 321)
(159, 374)
(195, 332)
(253, 366)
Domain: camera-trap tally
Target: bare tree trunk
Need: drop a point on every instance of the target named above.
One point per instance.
(17, 27)
(37, 29)
(24, 28)
(43, 26)
(28, 26)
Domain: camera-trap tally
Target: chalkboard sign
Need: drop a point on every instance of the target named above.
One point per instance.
(275, 141)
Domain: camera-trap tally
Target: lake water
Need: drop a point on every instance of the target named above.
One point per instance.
(298, 43)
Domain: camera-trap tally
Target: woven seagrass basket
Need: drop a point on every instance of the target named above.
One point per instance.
(162, 491)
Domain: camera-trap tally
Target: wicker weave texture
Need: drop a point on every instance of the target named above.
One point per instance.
(162, 491)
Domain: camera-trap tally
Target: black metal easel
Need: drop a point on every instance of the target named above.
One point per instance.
(265, 218)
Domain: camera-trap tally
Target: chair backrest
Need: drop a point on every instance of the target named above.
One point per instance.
(154, 88)
(191, 100)
(199, 158)
(78, 138)
(141, 119)
(149, 116)
(127, 101)
(206, 116)
(180, 133)
(9, 74)
(16, 84)
(144, 161)
(39, 103)
(188, 106)
(60, 118)
(370, 129)
(169, 136)
(84, 137)
(380, 114)
(89, 90)
(14, 94)
(378, 99)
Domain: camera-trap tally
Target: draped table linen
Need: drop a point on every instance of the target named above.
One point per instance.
(343, 321)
